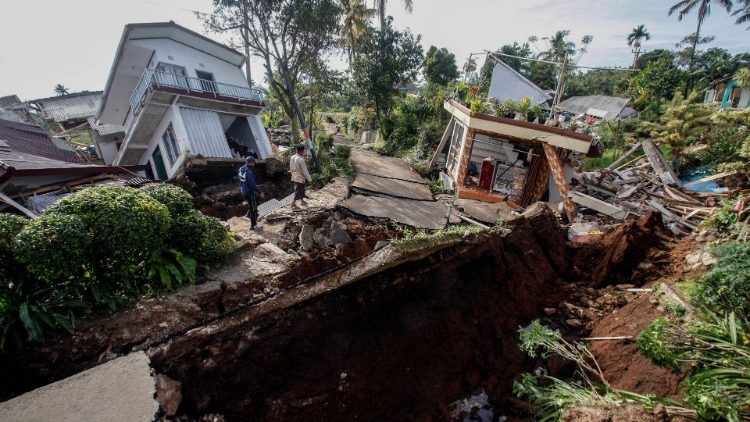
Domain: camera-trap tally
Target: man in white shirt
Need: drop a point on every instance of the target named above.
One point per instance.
(300, 175)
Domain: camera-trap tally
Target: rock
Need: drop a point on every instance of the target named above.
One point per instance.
(645, 266)
(339, 235)
(381, 244)
(321, 240)
(574, 323)
(550, 311)
(168, 394)
(306, 241)
(707, 259)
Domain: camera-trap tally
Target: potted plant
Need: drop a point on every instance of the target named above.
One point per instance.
(499, 110)
(510, 107)
(523, 107)
(540, 114)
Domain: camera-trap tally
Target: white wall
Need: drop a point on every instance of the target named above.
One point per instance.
(260, 135)
(171, 116)
(192, 60)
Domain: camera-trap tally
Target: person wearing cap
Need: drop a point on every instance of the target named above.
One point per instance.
(300, 175)
(250, 191)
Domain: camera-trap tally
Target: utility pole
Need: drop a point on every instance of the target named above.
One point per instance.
(245, 37)
(559, 89)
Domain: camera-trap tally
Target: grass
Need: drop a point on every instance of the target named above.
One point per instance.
(420, 239)
(608, 157)
(81, 137)
(685, 288)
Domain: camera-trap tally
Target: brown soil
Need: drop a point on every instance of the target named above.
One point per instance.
(624, 413)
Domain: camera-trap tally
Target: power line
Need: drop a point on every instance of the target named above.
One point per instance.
(493, 54)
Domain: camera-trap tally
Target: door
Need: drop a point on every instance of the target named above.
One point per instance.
(207, 81)
(169, 74)
(158, 162)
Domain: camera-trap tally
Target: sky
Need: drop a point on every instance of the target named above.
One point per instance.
(73, 42)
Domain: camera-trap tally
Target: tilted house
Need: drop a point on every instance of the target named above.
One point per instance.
(179, 94)
(728, 94)
(599, 106)
(506, 84)
(496, 159)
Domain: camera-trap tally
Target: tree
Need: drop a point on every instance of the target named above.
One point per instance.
(354, 26)
(715, 64)
(635, 38)
(654, 55)
(380, 6)
(288, 35)
(61, 90)
(387, 59)
(654, 84)
(439, 66)
(683, 8)
(743, 13)
(598, 82)
(742, 77)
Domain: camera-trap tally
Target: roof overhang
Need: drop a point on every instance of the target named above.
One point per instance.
(68, 171)
(518, 129)
(131, 60)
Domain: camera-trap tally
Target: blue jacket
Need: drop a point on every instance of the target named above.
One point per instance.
(247, 181)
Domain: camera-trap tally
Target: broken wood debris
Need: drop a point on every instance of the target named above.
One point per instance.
(638, 182)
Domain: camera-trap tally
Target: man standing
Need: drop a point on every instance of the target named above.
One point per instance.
(250, 191)
(300, 175)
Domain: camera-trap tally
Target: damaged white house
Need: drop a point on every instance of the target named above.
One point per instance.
(179, 94)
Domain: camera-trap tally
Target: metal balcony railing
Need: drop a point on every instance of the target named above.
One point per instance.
(151, 78)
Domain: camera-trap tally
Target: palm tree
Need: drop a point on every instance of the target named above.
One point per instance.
(61, 90)
(559, 47)
(743, 13)
(380, 6)
(683, 8)
(635, 39)
(354, 27)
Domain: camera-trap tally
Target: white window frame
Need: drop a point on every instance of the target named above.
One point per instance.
(171, 147)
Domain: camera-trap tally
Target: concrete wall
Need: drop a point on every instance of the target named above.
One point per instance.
(171, 116)
(172, 52)
(106, 145)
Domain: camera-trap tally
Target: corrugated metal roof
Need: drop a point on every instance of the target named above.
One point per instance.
(506, 83)
(28, 143)
(9, 100)
(76, 106)
(613, 106)
(105, 129)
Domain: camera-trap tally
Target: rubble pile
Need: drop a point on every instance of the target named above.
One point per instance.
(637, 183)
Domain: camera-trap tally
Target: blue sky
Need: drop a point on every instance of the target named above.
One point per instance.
(73, 41)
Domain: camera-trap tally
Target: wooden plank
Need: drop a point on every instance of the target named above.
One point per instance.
(659, 163)
(446, 135)
(669, 215)
(558, 175)
(623, 157)
(598, 205)
(5, 198)
(710, 178)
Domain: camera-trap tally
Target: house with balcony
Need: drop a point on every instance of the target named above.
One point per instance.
(179, 94)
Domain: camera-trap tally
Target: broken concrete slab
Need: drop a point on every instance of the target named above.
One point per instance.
(419, 214)
(485, 212)
(392, 187)
(370, 162)
(306, 241)
(339, 236)
(119, 390)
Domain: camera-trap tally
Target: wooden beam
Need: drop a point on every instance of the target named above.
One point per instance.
(558, 175)
(598, 205)
(623, 157)
(446, 135)
(710, 178)
(5, 198)
(659, 163)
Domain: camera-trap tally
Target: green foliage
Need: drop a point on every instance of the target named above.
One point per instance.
(656, 83)
(343, 152)
(171, 268)
(10, 226)
(413, 240)
(653, 343)
(439, 66)
(414, 123)
(510, 106)
(53, 248)
(726, 287)
(524, 105)
(177, 200)
(742, 77)
(198, 236)
(324, 142)
(125, 225)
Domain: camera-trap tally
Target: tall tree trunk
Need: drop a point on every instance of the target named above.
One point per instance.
(689, 83)
(245, 37)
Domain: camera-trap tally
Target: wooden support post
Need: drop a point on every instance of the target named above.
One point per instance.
(463, 166)
(659, 163)
(624, 157)
(446, 135)
(5, 198)
(558, 175)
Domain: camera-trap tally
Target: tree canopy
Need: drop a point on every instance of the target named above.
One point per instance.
(439, 66)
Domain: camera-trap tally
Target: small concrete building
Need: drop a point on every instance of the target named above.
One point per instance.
(178, 94)
(728, 94)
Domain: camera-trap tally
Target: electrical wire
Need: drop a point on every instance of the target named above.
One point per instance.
(493, 54)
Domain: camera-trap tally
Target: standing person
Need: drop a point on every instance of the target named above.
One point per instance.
(250, 191)
(300, 175)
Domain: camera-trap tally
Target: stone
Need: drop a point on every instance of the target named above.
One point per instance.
(550, 311)
(381, 244)
(574, 323)
(320, 240)
(168, 394)
(306, 241)
(339, 236)
(645, 266)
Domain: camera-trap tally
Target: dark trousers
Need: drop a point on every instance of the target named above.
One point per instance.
(252, 212)
(299, 191)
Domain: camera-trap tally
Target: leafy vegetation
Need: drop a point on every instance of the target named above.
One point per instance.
(726, 287)
(411, 240)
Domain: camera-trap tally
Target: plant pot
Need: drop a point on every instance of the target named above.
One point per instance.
(509, 115)
(530, 118)
(542, 120)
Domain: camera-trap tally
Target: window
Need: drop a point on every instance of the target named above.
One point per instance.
(170, 145)
(169, 74)
(207, 81)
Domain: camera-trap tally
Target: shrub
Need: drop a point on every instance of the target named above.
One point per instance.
(10, 226)
(199, 236)
(343, 151)
(53, 248)
(177, 200)
(125, 226)
(654, 343)
(324, 141)
(726, 288)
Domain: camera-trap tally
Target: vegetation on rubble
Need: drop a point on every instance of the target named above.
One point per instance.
(334, 161)
(411, 240)
(97, 250)
(726, 220)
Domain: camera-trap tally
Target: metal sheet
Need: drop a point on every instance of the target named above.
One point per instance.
(205, 133)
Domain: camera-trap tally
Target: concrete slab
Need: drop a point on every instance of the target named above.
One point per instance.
(419, 214)
(392, 187)
(485, 212)
(370, 162)
(120, 390)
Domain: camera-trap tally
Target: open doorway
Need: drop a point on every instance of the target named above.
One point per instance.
(239, 136)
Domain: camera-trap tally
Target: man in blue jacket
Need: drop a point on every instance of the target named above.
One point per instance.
(250, 191)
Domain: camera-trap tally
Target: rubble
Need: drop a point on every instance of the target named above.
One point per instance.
(633, 186)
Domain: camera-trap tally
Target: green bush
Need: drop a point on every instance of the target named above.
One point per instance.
(324, 141)
(10, 226)
(199, 236)
(125, 226)
(177, 200)
(53, 248)
(343, 152)
(726, 288)
(654, 343)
